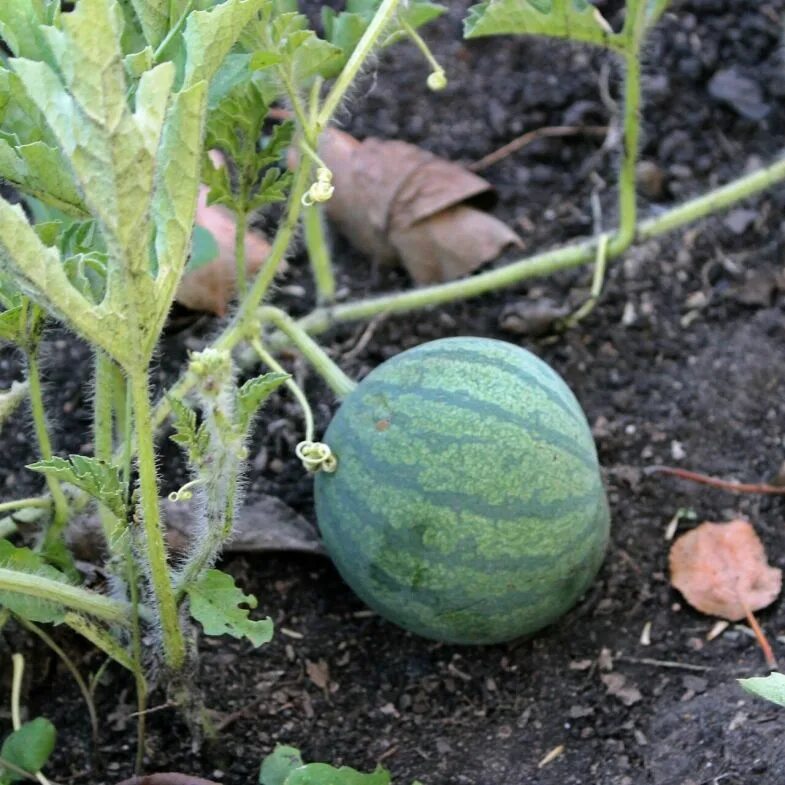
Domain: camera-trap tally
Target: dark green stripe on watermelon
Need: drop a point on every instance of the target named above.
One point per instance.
(467, 505)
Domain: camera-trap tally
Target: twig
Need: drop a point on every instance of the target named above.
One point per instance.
(522, 141)
(716, 482)
(760, 636)
(664, 663)
(167, 778)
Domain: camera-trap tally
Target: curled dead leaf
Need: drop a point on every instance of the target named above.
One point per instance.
(397, 202)
(212, 286)
(722, 570)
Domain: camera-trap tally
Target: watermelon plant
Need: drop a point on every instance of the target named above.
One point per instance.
(457, 487)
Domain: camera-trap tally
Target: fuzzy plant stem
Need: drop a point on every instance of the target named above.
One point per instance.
(103, 437)
(20, 504)
(155, 548)
(336, 379)
(66, 595)
(241, 226)
(270, 361)
(319, 253)
(60, 518)
(628, 203)
(365, 45)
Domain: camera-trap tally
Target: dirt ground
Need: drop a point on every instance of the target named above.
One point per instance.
(683, 362)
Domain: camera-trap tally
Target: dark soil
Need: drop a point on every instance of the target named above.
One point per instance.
(683, 362)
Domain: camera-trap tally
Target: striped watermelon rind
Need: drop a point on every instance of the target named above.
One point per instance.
(467, 505)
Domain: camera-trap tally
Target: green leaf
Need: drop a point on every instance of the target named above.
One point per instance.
(284, 766)
(12, 327)
(279, 764)
(153, 16)
(254, 393)
(771, 687)
(29, 747)
(324, 774)
(26, 561)
(210, 35)
(21, 23)
(194, 439)
(577, 20)
(216, 603)
(204, 248)
(99, 479)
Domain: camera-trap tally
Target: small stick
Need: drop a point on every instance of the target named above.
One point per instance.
(760, 636)
(716, 482)
(522, 141)
(664, 663)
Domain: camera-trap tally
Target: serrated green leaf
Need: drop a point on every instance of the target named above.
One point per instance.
(216, 603)
(273, 188)
(771, 687)
(194, 439)
(577, 20)
(87, 273)
(99, 479)
(29, 747)
(279, 764)
(26, 561)
(254, 393)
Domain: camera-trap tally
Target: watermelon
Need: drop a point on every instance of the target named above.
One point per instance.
(467, 505)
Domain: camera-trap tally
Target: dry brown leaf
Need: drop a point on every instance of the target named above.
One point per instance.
(397, 202)
(265, 525)
(211, 287)
(318, 672)
(721, 569)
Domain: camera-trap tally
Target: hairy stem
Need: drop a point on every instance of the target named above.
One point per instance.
(60, 517)
(337, 380)
(628, 200)
(65, 595)
(270, 361)
(102, 437)
(381, 19)
(155, 548)
(20, 504)
(319, 253)
(240, 228)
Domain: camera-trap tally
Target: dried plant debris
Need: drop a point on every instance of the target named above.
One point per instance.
(721, 569)
(397, 202)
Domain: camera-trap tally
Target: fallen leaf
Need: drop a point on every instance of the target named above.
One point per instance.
(616, 684)
(318, 673)
(212, 286)
(397, 202)
(264, 525)
(721, 569)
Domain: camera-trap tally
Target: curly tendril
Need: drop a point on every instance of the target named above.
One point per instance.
(316, 457)
(322, 190)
